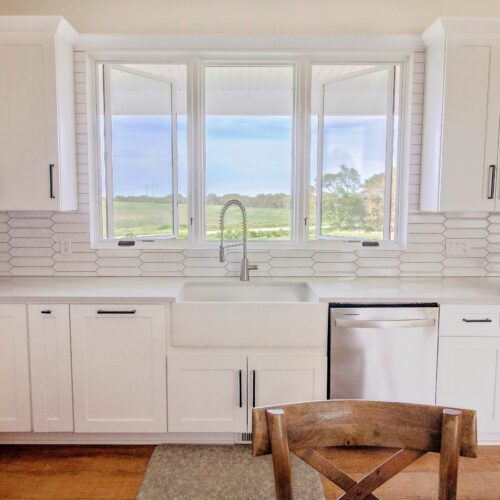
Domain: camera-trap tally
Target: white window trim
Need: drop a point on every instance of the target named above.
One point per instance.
(388, 156)
(292, 63)
(195, 61)
(108, 167)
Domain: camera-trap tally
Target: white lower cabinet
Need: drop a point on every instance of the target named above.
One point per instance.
(119, 373)
(216, 393)
(207, 393)
(15, 413)
(50, 363)
(285, 379)
(469, 377)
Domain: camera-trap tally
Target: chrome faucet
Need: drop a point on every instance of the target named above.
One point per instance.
(245, 265)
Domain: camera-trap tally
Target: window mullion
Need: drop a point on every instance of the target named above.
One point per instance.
(108, 154)
(301, 164)
(195, 152)
(175, 165)
(319, 162)
(389, 154)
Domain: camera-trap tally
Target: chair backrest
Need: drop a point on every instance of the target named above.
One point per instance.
(413, 429)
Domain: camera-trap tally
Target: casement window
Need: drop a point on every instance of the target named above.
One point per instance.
(355, 133)
(314, 151)
(142, 143)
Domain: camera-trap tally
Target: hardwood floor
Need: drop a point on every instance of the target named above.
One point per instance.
(72, 472)
(116, 472)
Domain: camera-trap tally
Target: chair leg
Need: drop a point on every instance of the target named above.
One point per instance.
(450, 453)
(281, 454)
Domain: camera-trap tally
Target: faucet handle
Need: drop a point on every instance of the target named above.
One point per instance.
(253, 267)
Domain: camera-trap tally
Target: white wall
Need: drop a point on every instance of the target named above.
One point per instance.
(252, 16)
(30, 241)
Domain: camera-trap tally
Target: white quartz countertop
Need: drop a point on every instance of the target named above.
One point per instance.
(161, 289)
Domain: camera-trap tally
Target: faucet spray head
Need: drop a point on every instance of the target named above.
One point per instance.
(222, 257)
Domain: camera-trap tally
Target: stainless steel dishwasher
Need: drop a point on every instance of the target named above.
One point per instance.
(383, 352)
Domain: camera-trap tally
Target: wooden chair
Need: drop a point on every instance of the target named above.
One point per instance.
(413, 429)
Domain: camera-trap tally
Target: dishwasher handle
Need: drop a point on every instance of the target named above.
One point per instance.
(384, 323)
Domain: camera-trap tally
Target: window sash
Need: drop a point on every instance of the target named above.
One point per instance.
(391, 104)
(108, 162)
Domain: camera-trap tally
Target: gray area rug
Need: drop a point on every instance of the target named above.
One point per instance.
(220, 472)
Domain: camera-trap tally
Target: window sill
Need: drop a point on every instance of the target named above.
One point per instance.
(255, 246)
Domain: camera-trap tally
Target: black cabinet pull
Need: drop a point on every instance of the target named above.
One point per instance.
(131, 311)
(51, 180)
(240, 376)
(46, 311)
(253, 388)
(485, 320)
(493, 174)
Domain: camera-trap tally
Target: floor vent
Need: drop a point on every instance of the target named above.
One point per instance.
(243, 438)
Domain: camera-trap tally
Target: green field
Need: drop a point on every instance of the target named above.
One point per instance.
(143, 218)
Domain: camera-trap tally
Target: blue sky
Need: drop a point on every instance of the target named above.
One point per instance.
(248, 155)
(141, 155)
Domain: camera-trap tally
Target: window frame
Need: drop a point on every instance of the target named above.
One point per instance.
(108, 153)
(302, 61)
(391, 69)
(293, 164)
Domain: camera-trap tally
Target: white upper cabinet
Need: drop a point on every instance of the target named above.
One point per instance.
(461, 117)
(37, 114)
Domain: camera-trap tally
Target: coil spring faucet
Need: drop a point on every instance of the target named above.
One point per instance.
(245, 265)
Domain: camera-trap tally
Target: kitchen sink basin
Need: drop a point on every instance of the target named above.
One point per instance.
(246, 292)
(234, 314)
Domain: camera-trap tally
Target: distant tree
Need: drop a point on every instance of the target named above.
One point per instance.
(261, 200)
(342, 202)
(373, 196)
(346, 181)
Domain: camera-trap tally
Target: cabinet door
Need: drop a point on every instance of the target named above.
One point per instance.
(469, 377)
(28, 131)
(119, 373)
(15, 414)
(207, 394)
(470, 122)
(50, 362)
(285, 379)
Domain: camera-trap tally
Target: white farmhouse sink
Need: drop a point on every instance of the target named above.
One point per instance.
(246, 292)
(233, 314)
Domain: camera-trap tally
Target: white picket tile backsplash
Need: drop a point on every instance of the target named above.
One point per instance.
(29, 241)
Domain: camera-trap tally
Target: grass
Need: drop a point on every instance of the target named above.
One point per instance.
(143, 218)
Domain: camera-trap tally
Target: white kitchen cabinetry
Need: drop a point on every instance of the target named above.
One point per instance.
(285, 379)
(469, 377)
(50, 362)
(15, 413)
(119, 372)
(469, 363)
(461, 117)
(37, 115)
(208, 393)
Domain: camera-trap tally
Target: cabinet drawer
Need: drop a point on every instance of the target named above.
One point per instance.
(469, 321)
